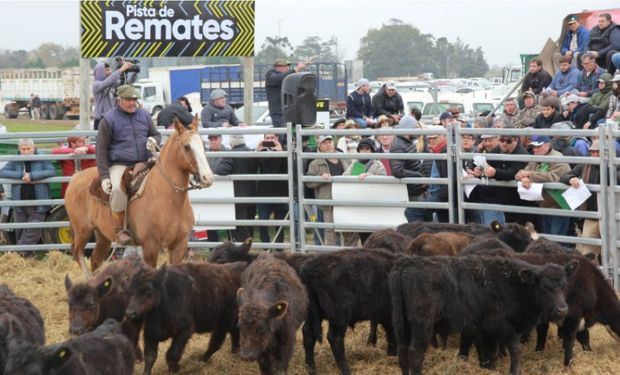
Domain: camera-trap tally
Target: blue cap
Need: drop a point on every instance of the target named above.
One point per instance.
(539, 140)
(446, 115)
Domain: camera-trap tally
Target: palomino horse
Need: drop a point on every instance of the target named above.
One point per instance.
(161, 218)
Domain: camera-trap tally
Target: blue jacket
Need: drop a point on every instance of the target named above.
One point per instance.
(589, 83)
(39, 170)
(359, 105)
(565, 82)
(583, 38)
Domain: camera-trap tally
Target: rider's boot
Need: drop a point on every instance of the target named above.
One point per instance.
(123, 236)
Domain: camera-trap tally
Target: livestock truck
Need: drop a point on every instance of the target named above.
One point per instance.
(58, 89)
(165, 84)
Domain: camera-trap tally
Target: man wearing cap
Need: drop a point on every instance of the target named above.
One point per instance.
(181, 110)
(538, 172)
(359, 105)
(573, 105)
(575, 40)
(273, 88)
(565, 79)
(104, 87)
(218, 113)
(596, 109)
(388, 102)
(126, 137)
(536, 79)
(605, 41)
(446, 119)
(613, 112)
(403, 168)
(527, 115)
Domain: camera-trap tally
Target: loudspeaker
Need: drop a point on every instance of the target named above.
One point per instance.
(299, 98)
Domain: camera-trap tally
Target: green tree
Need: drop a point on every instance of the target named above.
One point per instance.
(315, 49)
(273, 48)
(36, 63)
(13, 59)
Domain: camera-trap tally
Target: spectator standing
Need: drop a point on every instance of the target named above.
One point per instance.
(359, 105)
(29, 172)
(218, 113)
(385, 146)
(605, 41)
(75, 146)
(536, 78)
(181, 110)
(348, 143)
(30, 114)
(567, 145)
(231, 165)
(271, 188)
(326, 169)
(104, 88)
(214, 144)
(273, 88)
(542, 171)
(484, 193)
(389, 103)
(36, 107)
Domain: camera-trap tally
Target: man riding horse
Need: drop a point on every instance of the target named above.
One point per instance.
(125, 136)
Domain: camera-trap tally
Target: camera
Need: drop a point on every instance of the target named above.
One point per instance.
(268, 144)
(134, 69)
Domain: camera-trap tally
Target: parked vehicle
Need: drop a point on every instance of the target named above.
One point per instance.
(57, 88)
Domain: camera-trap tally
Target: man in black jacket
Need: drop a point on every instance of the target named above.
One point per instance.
(359, 105)
(605, 41)
(404, 144)
(273, 88)
(536, 79)
(388, 102)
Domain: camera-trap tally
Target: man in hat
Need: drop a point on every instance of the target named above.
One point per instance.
(536, 78)
(359, 105)
(181, 110)
(575, 40)
(106, 82)
(446, 119)
(126, 137)
(573, 106)
(273, 87)
(613, 112)
(527, 115)
(218, 113)
(538, 172)
(389, 103)
(596, 109)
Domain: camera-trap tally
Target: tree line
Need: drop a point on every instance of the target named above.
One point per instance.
(395, 49)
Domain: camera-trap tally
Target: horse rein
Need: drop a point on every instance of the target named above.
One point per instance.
(193, 184)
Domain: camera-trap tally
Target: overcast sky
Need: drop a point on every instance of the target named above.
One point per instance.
(503, 29)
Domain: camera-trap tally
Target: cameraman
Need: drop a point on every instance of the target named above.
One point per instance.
(271, 188)
(104, 88)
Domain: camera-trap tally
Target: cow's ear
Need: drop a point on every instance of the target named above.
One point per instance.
(527, 275)
(242, 296)
(58, 358)
(246, 245)
(571, 268)
(105, 287)
(68, 282)
(496, 226)
(278, 309)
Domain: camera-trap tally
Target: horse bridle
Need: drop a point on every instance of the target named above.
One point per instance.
(193, 184)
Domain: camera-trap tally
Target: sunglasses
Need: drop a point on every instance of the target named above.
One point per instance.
(507, 141)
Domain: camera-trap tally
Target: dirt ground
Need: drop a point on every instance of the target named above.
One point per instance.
(42, 281)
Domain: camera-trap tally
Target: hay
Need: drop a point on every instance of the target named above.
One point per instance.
(42, 281)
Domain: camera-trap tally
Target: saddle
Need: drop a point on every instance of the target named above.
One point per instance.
(132, 184)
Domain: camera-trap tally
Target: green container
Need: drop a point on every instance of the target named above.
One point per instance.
(525, 61)
(8, 147)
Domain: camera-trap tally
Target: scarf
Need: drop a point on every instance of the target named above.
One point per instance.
(438, 147)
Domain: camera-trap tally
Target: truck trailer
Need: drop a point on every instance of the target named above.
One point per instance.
(58, 89)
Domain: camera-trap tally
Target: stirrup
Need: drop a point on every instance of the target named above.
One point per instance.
(128, 242)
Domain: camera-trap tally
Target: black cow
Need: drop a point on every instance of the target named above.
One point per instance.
(104, 351)
(20, 322)
(514, 235)
(388, 239)
(495, 299)
(272, 305)
(105, 295)
(544, 246)
(346, 287)
(176, 301)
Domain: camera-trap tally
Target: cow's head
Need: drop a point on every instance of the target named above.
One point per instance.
(85, 304)
(514, 235)
(228, 252)
(37, 360)
(549, 284)
(257, 324)
(144, 290)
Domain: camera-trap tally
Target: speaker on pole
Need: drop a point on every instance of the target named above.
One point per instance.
(299, 98)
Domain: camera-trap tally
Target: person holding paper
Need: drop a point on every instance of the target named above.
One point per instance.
(538, 172)
(587, 174)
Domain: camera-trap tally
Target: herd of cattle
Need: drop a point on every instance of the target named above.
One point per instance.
(421, 283)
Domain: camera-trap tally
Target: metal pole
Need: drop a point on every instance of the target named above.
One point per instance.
(451, 172)
(457, 175)
(506, 96)
(300, 188)
(611, 207)
(84, 93)
(291, 190)
(604, 211)
(248, 88)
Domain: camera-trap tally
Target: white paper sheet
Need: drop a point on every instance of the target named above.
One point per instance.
(480, 161)
(467, 189)
(534, 193)
(575, 197)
